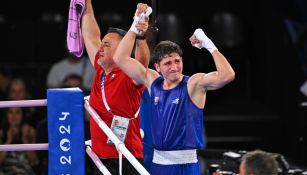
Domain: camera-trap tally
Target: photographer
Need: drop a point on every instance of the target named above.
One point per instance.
(257, 163)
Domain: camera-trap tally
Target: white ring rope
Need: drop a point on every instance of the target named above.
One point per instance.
(119, 145)
(23, 103)
(44, 146)
(97, 161)
(24, 147)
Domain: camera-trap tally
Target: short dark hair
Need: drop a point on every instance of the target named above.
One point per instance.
(164, 48)
(119, 31)
(259, 162)
(65, 83)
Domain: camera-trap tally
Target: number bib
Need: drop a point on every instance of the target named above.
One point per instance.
(119, 127)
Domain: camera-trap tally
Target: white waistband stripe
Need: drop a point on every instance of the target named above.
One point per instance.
(174, 157)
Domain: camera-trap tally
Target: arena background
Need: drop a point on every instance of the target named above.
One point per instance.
(260, 109)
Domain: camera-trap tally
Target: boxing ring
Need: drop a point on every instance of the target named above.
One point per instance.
(64, 141)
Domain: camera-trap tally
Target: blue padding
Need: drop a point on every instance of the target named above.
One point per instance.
(66, 132)
(146, 126)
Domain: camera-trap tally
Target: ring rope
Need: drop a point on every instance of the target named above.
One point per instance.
(44, 146)
(121, 147)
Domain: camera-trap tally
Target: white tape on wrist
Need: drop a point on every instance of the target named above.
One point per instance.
(139, 18)
(205, 41)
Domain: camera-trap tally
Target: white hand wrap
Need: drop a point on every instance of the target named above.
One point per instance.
(205, 41)
(139, 18)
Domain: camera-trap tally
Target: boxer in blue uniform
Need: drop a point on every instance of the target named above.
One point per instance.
(177, 101)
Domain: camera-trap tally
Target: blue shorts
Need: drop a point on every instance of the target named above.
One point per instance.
(179, 169)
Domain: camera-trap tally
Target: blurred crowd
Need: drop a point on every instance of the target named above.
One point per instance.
(29, 124)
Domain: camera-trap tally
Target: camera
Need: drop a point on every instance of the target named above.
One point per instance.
(232, 160)
(216, 168)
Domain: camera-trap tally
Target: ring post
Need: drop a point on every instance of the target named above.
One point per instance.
(66, 131)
